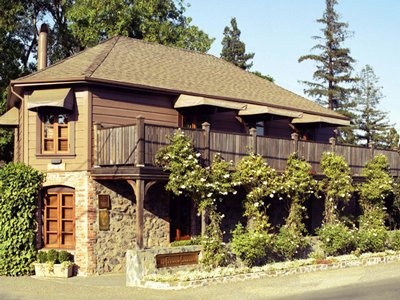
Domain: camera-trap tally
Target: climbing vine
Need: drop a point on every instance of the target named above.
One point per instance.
(260, 182)
(336, 186)
(205, 185)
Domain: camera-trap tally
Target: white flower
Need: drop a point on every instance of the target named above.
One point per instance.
(209, 195)
(226, 176)
(198, 154)
(190, 156)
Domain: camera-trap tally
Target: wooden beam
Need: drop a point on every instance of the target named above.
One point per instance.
(138, 187)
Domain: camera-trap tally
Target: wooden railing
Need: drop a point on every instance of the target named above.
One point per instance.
(137, 145)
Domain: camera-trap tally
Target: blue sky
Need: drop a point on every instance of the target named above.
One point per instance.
(280, 31)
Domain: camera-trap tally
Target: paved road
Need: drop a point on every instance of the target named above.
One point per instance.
(304, 286)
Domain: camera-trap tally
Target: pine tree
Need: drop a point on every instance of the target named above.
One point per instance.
(372, 124)
(333, 63)
(234, 50)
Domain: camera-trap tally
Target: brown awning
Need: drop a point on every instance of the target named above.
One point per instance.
(52, 98)
(10, 118)
(253, 109)
(190, 101)
(307, 118)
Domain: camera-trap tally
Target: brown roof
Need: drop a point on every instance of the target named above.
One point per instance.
(133, 62)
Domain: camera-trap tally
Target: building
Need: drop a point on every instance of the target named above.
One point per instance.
(93, 122)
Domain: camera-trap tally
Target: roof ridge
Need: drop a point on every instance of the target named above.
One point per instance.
(102, 56)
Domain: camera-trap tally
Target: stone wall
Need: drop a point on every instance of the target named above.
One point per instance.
(111, 245)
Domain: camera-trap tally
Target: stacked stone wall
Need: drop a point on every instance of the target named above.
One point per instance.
(111, 245)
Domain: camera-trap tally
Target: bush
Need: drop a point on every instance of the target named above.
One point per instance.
(336, 239)
(251, 247)
(193, 241)
(393, 240)
(52, 256)
(42, 256)
(289, 244)
(64, 256)
(371, 239)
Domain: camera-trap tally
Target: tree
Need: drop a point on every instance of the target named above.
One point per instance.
(371, 123)
(233, 49)
(333, 63)
(160, 21)
(266, 77)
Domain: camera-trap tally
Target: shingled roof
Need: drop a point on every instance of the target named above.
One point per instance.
(132, 62)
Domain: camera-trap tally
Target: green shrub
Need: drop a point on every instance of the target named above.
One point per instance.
(64, 256)
(193, 241)
(393, 240)
(42, 256)
(371, 239)
(52, 256)
(288, 243)
(250, 246)
(336, 239)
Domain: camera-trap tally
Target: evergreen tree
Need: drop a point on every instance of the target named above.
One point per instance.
(333, 63)
(234, 50)
(371, 123)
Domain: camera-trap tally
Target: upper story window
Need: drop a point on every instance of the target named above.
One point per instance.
(55, 133)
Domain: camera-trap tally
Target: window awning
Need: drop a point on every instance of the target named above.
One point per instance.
(307, 118)
(253, 109)
(62, 98)
(10, 118)
(190, 101)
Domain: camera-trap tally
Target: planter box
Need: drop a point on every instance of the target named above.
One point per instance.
(57, 270)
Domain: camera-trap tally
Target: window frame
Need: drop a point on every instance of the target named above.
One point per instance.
(40, 152)
(61, 220)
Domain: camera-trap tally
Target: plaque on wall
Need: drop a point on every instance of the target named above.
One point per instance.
(104, 220)
(104, 201)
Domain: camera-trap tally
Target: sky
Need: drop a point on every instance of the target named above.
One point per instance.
(280, 31)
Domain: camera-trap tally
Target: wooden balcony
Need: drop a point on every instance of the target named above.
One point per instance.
(130, 150)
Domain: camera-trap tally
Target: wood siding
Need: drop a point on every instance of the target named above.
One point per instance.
(78, 160)
(116, 107)
(227, 121)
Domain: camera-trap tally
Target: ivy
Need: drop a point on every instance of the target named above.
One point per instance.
(19, 186)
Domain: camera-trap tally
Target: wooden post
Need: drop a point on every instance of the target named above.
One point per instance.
(206, 128)
(332, 141)
(140, 141)
(295, 138)
(253, 133)
(139, 189)
(96, 148)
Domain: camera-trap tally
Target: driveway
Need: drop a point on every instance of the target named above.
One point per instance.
(113, 286)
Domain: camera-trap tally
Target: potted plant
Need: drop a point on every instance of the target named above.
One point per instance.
(54, 263)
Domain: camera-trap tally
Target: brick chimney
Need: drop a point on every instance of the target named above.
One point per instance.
(42, 47)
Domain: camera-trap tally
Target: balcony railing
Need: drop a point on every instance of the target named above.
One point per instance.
(137, 145)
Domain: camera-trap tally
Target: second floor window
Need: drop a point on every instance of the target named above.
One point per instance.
(55, 133)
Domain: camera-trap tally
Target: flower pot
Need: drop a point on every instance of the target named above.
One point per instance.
(53, 270)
